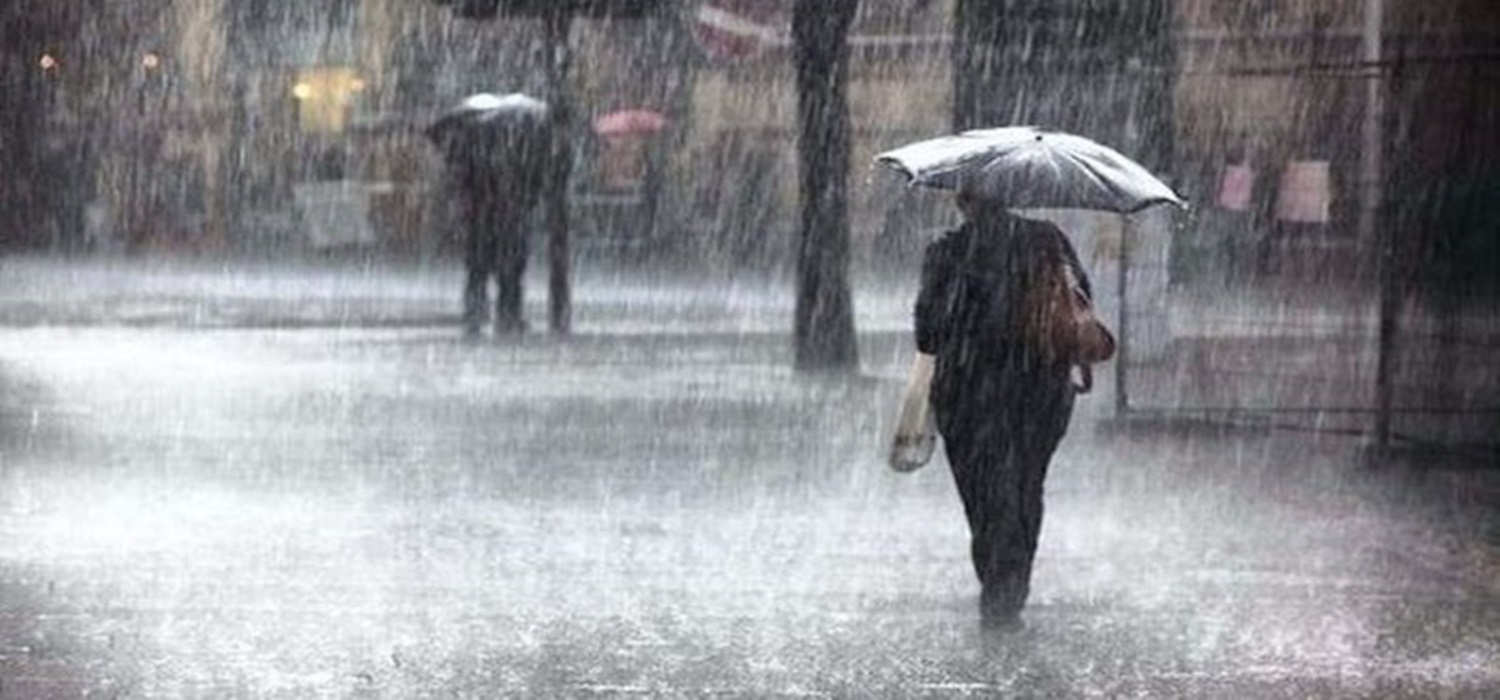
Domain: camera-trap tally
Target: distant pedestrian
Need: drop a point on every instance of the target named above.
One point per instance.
(331, 164)
(497, 201)
(497, 149)
(1002, 391)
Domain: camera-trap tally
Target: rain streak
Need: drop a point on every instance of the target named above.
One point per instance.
(749, 348)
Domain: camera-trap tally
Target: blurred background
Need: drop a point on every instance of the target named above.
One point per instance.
(1340, 155)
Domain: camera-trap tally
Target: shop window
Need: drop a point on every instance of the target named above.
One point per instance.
(326, 96)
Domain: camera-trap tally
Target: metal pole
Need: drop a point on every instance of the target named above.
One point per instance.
(1372, 153)
(1122, 343)
(1371, 233)
(559, 57)
(1122, 282)
(1384, 362)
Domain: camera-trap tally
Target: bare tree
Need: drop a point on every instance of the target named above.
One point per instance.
(824, 325)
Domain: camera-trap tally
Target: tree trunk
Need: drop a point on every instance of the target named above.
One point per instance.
(824, 325)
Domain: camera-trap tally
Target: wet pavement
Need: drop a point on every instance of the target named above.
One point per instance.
(264, 483)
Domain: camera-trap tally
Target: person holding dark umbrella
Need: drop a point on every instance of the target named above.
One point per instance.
(496, 147)
(1002, 318)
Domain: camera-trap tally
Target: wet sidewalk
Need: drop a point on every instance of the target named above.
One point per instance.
(1306, 357)
(304, 484)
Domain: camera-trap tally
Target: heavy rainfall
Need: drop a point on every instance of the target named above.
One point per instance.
(267, 432)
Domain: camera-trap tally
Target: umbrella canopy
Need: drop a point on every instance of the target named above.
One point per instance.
(486, 126)
(629, 122)
(487, 110)
(1026, 167)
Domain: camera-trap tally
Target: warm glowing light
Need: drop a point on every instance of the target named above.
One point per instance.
(47, 62)
(151, 61)
(325, 97)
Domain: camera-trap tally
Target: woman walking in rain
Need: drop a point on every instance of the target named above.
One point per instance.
(1004, 319)
(1002, 392)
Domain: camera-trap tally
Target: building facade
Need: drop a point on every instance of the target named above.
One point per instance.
(189, 124)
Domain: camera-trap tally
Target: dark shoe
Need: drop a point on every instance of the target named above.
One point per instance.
(473, 320)
(1001, 623)
(1002, 599)
(511, 327)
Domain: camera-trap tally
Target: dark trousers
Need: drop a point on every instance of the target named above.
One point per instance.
(999, 460)
(496, 248)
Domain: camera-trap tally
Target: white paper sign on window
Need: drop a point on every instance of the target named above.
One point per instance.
(1305, 192)
(1237, 187)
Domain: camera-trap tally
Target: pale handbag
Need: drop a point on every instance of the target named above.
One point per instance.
(915, 436)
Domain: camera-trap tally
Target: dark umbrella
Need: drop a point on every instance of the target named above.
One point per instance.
(486, 126)
(1024, 167)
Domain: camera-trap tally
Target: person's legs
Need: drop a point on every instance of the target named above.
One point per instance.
(979, 515)
(969, 466)
(1006, 564)
(479, 261)
(1016, 519)
(510, 276)
(980, 457)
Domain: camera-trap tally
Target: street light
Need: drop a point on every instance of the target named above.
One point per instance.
(47, 62)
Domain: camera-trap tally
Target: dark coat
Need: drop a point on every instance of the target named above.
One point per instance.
(1000, 405)
(969, 315)
(502, 171)
(500, 174)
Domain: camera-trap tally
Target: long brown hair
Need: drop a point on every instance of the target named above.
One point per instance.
(1045, 311)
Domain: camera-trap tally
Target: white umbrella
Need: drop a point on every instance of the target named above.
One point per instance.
(487, 126)
(1024, 167)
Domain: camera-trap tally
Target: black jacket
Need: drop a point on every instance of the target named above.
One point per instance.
(968, 314)
(502, 171)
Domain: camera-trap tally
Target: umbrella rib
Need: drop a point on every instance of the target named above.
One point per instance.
(1032, 168)
(963, 162)
(1114, 185)
(1087, 167)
